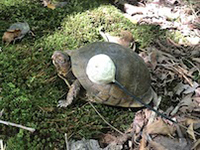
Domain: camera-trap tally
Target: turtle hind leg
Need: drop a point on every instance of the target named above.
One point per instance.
(74, 91)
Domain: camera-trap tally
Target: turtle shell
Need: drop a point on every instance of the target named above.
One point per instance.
(131, 72)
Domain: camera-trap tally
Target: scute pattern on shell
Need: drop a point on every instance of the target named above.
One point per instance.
(131, 72)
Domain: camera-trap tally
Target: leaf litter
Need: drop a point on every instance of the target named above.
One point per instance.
(172, 78)
(172, 15)
(173, 66)
(175, 73)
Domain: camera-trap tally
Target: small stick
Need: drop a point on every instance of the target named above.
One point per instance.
(65, 80)
(17, 125)
(179, 70)
(1, 112)
(66, 141)
(105, 120)
(1, 145)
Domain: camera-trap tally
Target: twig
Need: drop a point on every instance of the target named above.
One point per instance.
(179, 70)
(1, 112)
(17, 125)
(105, 120)
(66, 141)
(1, 145)
(66, 81)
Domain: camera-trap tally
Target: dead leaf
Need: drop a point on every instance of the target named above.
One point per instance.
(187, 100)
(173, 143)
(197, 92)
(156, 146)
(191, 89)
(196, 145)
(140, 120)
(197, 99)
(108, 138)
(125, 39)
(190, 122)
(143, 143)
(51, 6)
(190, 131)
(180, 87)
(153, 58)
(159, 127)
(10, 36)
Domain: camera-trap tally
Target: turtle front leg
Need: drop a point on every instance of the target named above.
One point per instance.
(74, 90)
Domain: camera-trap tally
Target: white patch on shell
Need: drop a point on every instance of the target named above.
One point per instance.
(101, 69)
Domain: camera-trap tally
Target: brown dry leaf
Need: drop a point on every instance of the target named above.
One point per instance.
(156, 146)
(51, 6)
(153, 58)
(143, 143)
(108, 138)
(180, 87)
(140, 120)
(186, 104)
(9, 36)
(191, 89)
(186, 101)
(125, 39)
(196, 145)
(190, 131)
(112, 139)
(189, 121)
(173, 144)
(159, 127)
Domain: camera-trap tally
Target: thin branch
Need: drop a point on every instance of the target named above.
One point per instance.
(1, 112)
(66, 141)
(1, 145)
(17, 125)
(105, 120)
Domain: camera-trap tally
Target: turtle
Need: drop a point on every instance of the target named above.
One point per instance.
(131, 72)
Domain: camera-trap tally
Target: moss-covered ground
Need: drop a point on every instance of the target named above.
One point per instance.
(29, 86)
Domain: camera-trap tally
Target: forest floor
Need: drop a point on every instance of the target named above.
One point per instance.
(167, 40)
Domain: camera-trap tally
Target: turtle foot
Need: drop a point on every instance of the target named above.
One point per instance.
(63, 103)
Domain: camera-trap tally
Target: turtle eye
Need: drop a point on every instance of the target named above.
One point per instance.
(61, 60)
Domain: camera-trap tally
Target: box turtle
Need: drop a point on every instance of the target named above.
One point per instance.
(131, 72)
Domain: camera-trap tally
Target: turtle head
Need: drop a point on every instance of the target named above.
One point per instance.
(62, 62)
